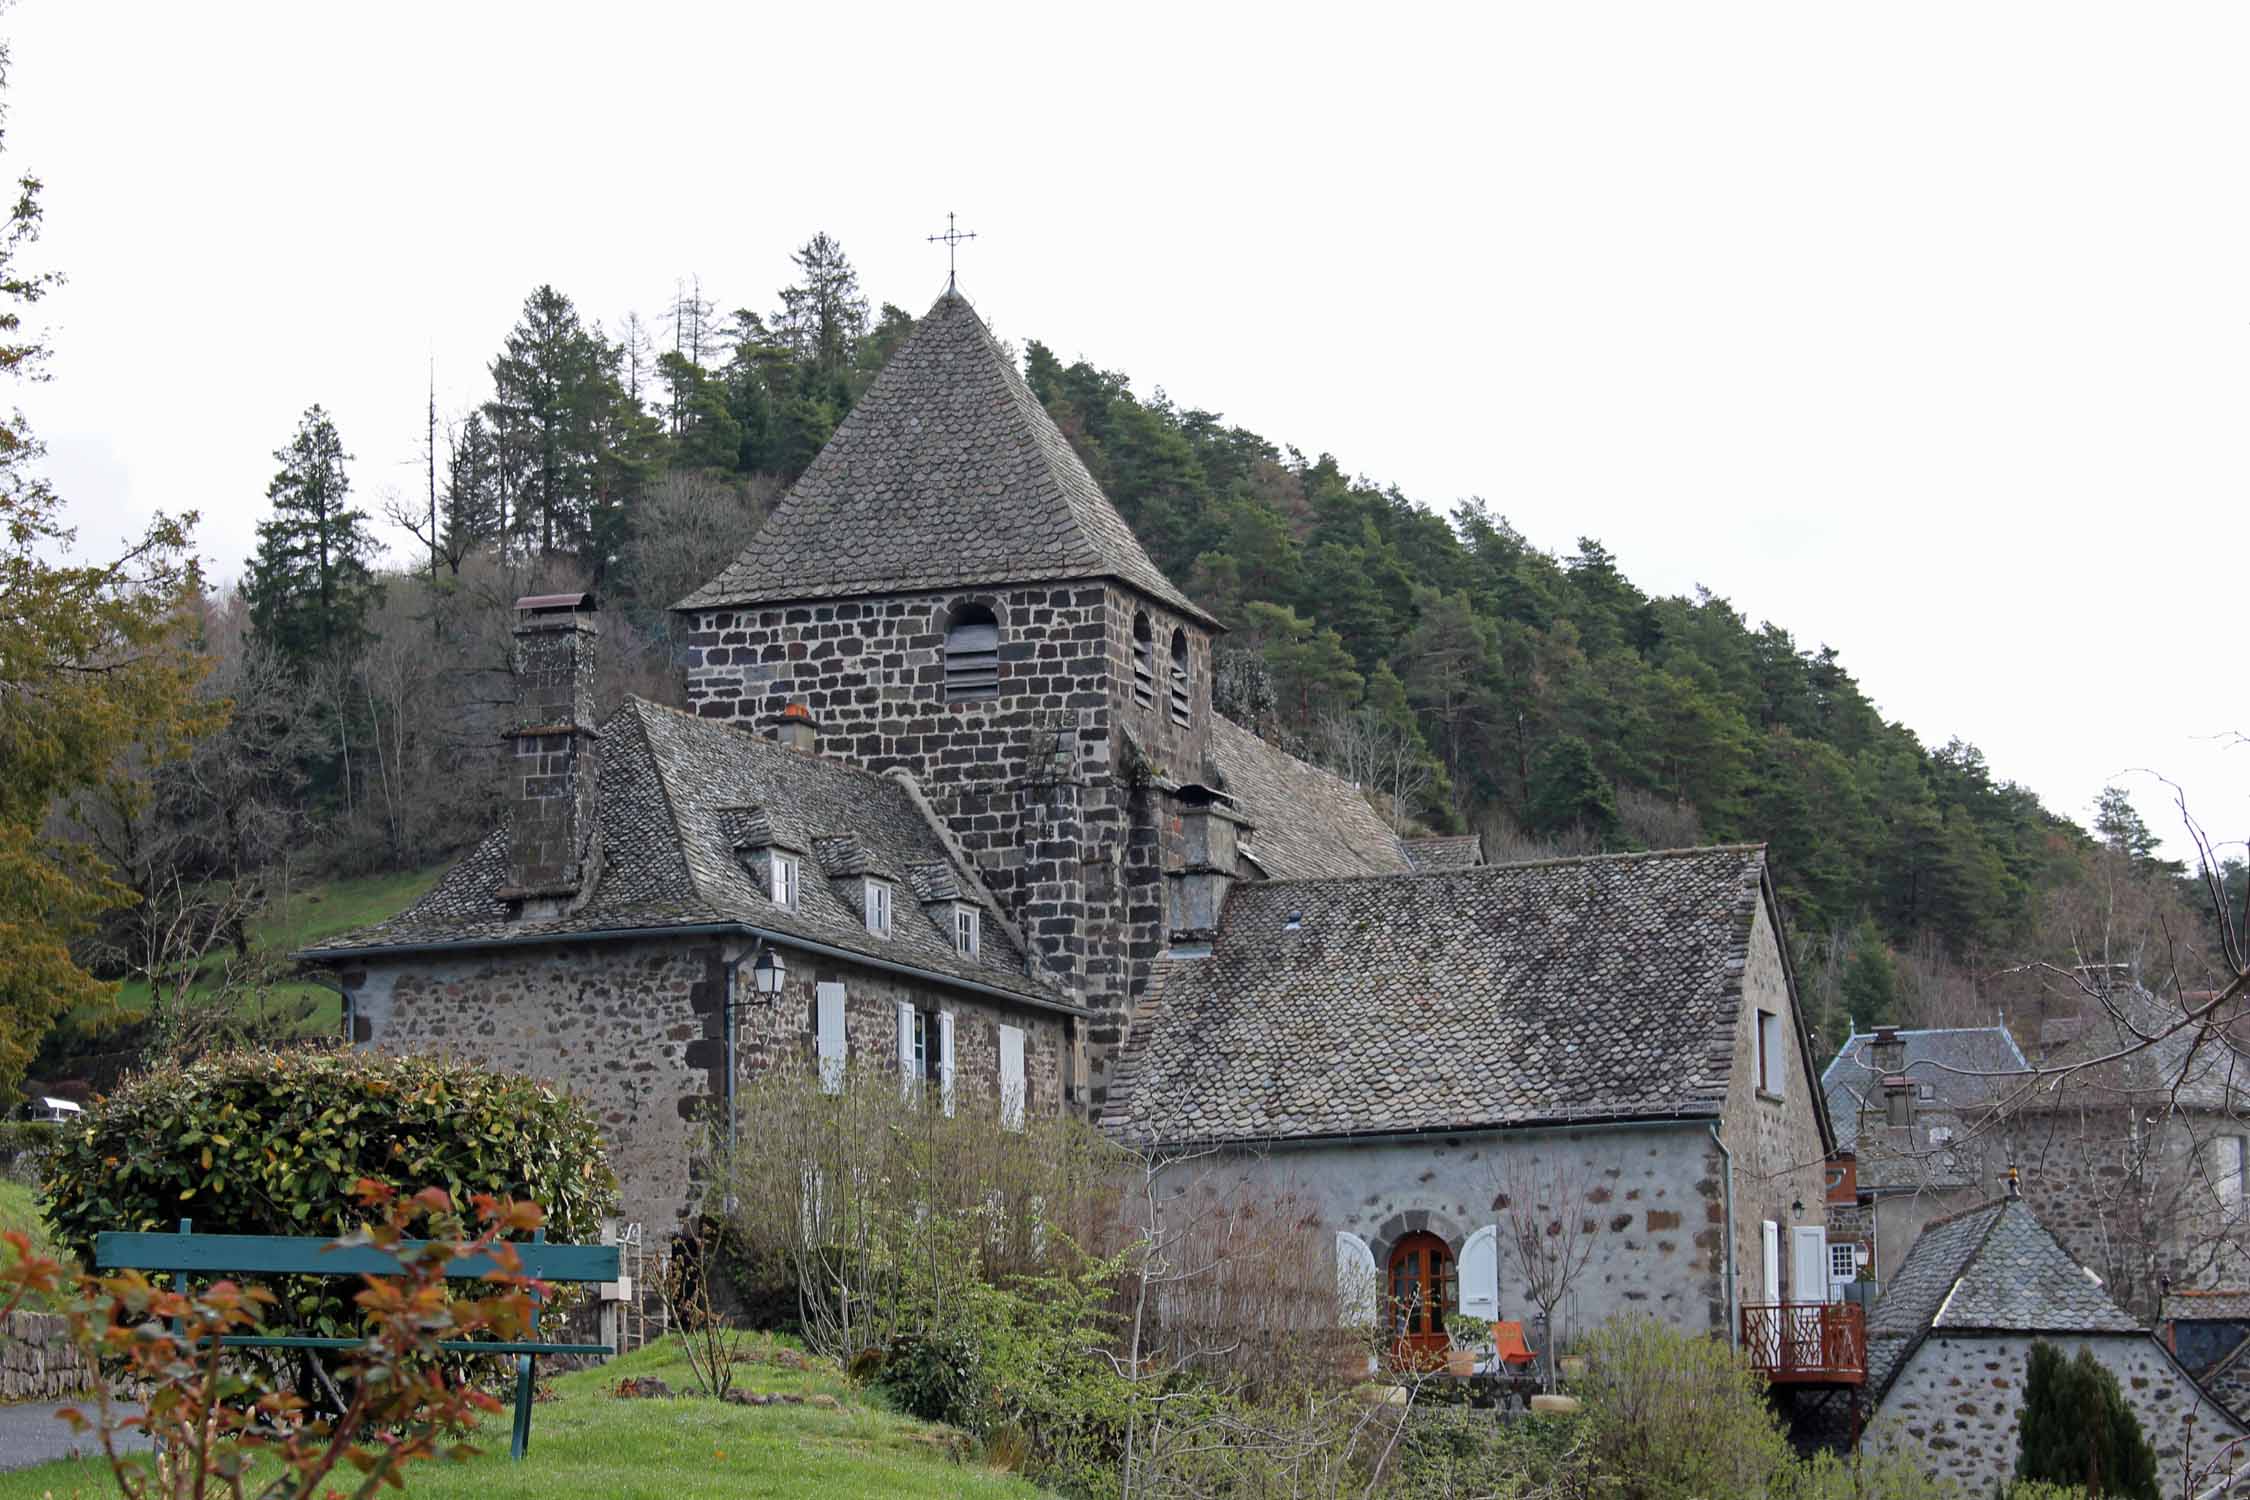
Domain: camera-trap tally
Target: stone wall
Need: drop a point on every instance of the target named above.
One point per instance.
(38, 1362)
(1062, 823)
(1653, 1205)
(1957, 1402)
(1775, 1138)
(2131, 1199)
(635, 1030)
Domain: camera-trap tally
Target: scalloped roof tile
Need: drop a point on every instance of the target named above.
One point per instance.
(1598, 988)
(681, 800)
(947, 472)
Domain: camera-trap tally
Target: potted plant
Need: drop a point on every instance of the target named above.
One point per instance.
(1468, 1343)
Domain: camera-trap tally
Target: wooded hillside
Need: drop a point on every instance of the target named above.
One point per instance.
(1464, 675)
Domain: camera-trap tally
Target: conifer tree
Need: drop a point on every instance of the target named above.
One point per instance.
(311, 582)
(2077, 1430)
(1568, 792)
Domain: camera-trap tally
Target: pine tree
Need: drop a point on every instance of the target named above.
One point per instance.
(572, 447)
(2077, 1430)
(823, 317)
(311, 583)
(1569, 792)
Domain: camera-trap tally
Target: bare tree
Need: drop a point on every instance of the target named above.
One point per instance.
(1548, 1234)
(1370, 750)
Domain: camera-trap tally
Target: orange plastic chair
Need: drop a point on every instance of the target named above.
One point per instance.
(1507, 1339)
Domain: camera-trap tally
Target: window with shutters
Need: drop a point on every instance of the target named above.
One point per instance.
(1144, 661)
(972, 656)
(2234, 1160)
(1012, 1077)
(1179, 677)
(828, 1033)
(879, 907)
(968, 931)
(786, 876)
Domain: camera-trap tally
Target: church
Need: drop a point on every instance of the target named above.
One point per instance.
(950, 795)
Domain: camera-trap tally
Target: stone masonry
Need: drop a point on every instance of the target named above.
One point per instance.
(1957, 1402)
(1038, 784)
(635, 1030)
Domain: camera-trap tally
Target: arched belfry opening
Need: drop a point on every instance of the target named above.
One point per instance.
(1144, 660)
(1180, 685)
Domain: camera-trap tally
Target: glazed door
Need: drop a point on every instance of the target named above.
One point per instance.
(1422, 1288)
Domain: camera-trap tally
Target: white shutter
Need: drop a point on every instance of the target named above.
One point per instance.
(1356, 1282)
(1479, 1270)
(906, 1078)
(1011, 1077)
(828, 1001)
(945, 1059)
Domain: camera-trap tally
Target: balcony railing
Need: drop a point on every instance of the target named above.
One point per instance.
(1807, 1343)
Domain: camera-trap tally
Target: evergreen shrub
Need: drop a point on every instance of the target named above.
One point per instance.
(272, 1143)
(2077, 1430)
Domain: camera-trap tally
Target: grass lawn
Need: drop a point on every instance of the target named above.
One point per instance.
(314, 911)
(589, 1443)
(19, 1209)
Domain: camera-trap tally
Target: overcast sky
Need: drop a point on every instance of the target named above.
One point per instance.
(1917, 329)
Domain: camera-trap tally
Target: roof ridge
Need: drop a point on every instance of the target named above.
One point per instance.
(763, 745)
(1480, 871)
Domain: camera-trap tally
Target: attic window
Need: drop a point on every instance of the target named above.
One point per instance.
(1925, 1092)
(968, 931)
(1144, 661)
(1179, 677)
(972, 656)
(787, 878)
(879, 907)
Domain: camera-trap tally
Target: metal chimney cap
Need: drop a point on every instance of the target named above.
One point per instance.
(551, 603)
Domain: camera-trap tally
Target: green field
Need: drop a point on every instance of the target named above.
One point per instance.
(311, 912)
(590, 1443)
(19, 1210)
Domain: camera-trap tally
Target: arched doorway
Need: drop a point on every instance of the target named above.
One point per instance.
(1423, 1284)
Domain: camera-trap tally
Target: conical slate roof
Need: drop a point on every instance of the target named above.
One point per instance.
(948, 472)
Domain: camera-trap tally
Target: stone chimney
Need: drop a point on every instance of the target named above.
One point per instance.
(551, 806)
(1208, 865)
(1898, 1099)
(796, 729)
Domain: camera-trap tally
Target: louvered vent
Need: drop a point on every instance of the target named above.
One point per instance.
(972, 657)
(1144, 662)
(1179, 677)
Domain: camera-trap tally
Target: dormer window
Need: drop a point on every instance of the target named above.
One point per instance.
(787, 878)
(879, 907)
(1179, 677)
(1144, 661)
(972, 656)
(968, 930)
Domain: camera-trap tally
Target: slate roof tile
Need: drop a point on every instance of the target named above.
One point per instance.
(1968, 1069)
(1306, 821)
(680, 801)
(1993, 1268)
(1446, 851)
(1597, 988)
(947, 472)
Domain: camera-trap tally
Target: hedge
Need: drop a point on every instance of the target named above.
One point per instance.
(272, 1142)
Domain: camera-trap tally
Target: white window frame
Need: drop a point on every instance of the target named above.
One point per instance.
(1773, 1071)
(878, 904)
(787, 880)
(1848, 1253)
(968, 930)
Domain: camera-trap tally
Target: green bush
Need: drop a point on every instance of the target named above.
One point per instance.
(1670, 1416)
(22, 1137)
(272, 1142)
(2077, 1429)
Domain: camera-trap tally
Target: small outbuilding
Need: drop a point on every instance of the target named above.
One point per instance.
(1949, 1342)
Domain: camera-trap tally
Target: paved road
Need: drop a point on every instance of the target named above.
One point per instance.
(31, 1434)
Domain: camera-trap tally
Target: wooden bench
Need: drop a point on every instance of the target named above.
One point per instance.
(187, 1253)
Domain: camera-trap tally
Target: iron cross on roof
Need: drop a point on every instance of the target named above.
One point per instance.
(951, 239)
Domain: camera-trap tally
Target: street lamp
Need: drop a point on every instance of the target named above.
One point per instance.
(767, 973)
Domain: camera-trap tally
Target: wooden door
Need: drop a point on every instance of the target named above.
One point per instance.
(1422, 1288)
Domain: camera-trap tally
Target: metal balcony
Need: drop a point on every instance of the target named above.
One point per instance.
(1807, 1343)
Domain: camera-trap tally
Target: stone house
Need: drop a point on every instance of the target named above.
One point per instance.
(1916, 1111)
(1949, 1341)
(950, 755)
(1426, 1057)
(2207, 1329)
